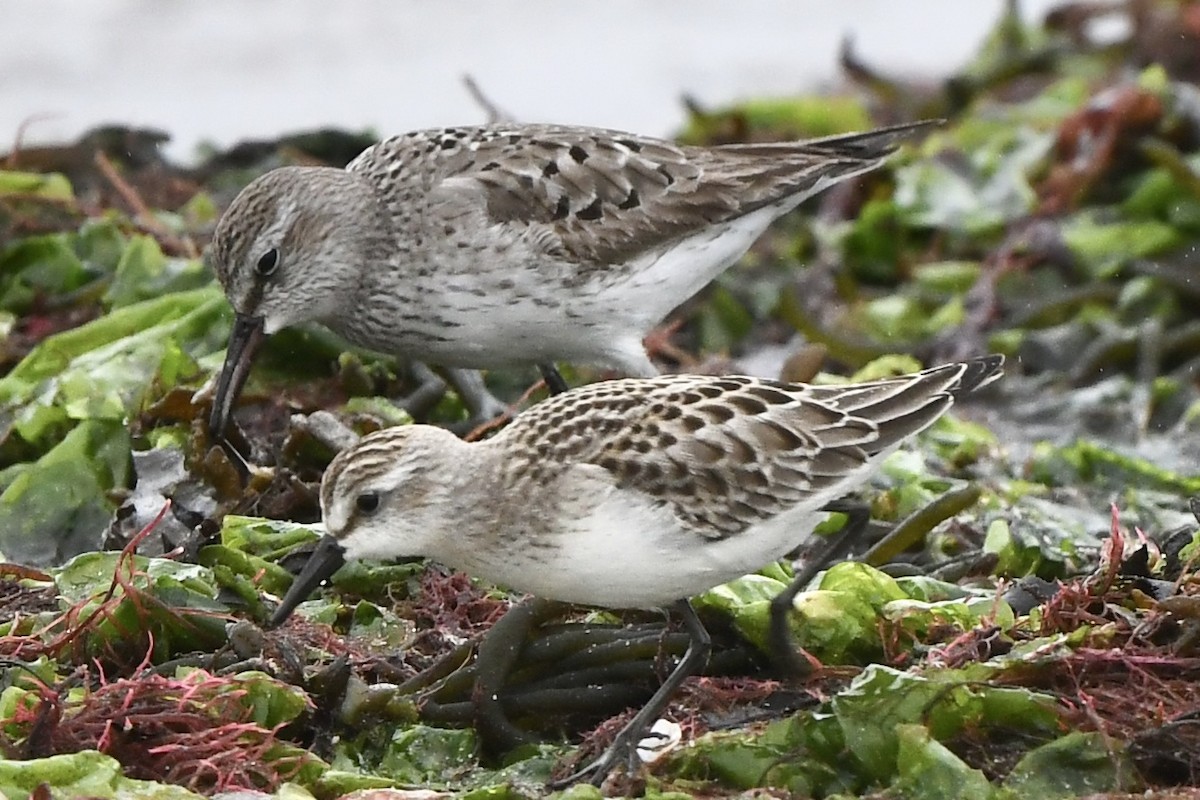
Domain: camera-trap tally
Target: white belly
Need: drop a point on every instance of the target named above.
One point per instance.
(631, 553)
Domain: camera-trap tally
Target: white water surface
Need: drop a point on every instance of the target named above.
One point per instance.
(224, 70)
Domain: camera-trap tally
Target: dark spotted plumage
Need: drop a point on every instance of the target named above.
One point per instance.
(512, 244)
(728, 452)
(580, 494)
(631, 493)
(577, 181)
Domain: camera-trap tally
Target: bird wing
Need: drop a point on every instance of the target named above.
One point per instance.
(603, 197)
(722, 453)
(725, 453)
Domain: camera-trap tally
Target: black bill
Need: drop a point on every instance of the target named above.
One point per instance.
(324, 561)
(244, 342)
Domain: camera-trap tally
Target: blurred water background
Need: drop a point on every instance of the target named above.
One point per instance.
(224, 70)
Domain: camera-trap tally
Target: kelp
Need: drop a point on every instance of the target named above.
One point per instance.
(1026, 585)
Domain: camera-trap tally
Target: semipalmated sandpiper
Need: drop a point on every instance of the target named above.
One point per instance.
(630, 493)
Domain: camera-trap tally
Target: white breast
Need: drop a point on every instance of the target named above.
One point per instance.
(624, 550)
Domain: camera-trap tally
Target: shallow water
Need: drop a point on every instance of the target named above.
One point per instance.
(223, 70)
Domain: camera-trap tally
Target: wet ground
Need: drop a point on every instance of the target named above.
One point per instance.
(1025, 621)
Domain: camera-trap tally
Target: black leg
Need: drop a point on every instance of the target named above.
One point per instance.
(624, 746)
(553, 378)
(240, 463)
(779, 637)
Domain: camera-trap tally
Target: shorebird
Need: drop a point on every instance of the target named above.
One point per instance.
(630, 493)
(481, 247)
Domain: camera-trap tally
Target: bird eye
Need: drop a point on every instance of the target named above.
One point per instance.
(268, 262)
(367, 502)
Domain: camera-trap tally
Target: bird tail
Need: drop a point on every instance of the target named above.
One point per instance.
(979, 372)
(903, 406)
(875, 143)
(863, 146)
(784, 174)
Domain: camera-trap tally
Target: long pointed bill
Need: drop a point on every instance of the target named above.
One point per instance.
(325, 560)
(244, 341)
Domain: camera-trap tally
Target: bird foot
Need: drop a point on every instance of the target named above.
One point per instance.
(624, 748)
(483, 406)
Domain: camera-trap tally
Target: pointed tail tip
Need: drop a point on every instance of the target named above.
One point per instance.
(979, 372)
(904, 128)
(893, 135)
(880, 141)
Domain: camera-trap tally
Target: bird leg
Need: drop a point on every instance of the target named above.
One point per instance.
(555, 383)
(481, 404)
(779, 635)
(429, 391)
(624, 745)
